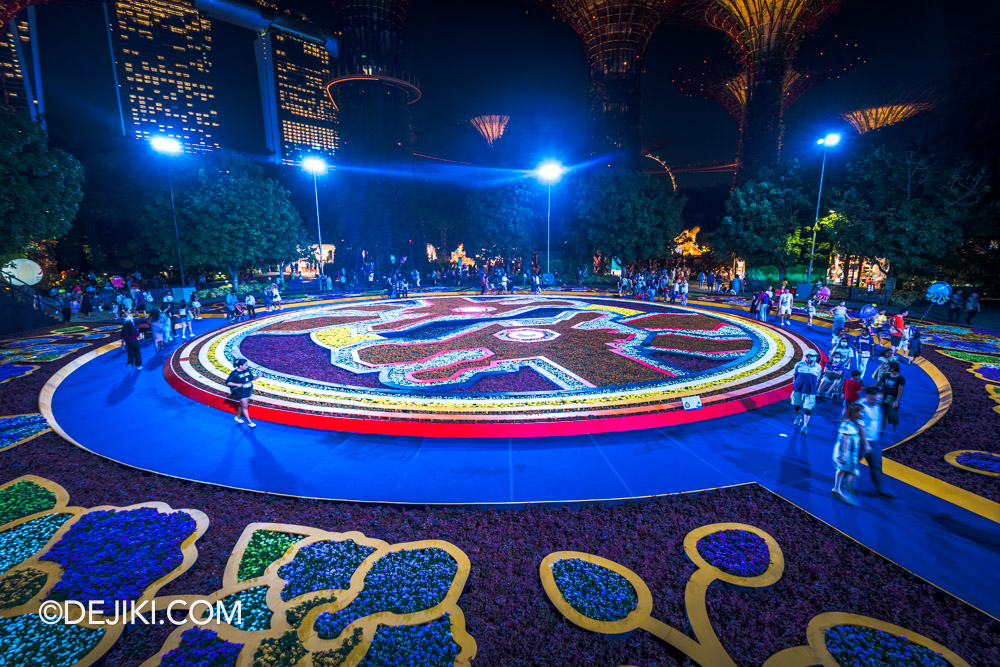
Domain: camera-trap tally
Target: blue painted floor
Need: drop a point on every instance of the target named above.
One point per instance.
(138, 420)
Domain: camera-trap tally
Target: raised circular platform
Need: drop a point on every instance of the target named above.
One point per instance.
(513, 366)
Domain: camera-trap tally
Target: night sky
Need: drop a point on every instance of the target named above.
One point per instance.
(510, 56)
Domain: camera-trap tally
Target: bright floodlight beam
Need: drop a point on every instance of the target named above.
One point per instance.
(170, 146)
(831, 139)
(317, 167)
(165, 145)
(549, 172)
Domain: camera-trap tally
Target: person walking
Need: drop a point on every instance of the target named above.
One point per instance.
(66, 307)
(186, 316)
(810, 311)
(764, 304)
(871, 423)
(846, 453)
(972, 307)
(86, 305)
(891, 386)
(839, 313)
(955, 307)
(785, 307)
(156, 329)
(130, 341)
(897, 325)
(804, 387)
(240, 383)
(251, 304)
(231, 302)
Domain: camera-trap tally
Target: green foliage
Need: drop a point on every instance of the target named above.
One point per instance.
(903, 209)
(40, 189)
(503, 220)
(228, 215)
(765, 219)
(628, 214)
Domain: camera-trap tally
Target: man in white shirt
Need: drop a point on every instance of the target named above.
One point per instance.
(871, 423)
(785, 307)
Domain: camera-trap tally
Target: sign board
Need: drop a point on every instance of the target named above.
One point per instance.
(691, 402)
(803, 290)
(548, 279)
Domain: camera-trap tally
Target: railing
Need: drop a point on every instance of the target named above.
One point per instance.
(25, 294)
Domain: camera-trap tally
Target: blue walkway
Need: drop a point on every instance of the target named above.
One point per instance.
(152, 427)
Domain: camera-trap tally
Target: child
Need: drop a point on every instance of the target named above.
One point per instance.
(914, 344)
(852, 388)
(847, 452)
(75, 307)
(878, 324)
(833, 374)
(811, 311)
(196, 306)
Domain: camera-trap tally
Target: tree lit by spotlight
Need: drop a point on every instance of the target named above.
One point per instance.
(875, 118)
(490, 127)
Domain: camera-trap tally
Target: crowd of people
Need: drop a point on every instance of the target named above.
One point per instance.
(867, 405)
(673, 284)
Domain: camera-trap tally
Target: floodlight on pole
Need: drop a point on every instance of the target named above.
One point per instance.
(549, 172)
(170, 146)
(317, 166)
(831, 139)
(165, 145)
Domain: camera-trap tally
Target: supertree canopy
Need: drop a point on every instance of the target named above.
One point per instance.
(615, 33)
(875, 118)
(731, 93)
(766, 35)
(491, 127)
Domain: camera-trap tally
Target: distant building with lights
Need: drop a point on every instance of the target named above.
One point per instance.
(294, 60)
(162, 58)
(20, 75)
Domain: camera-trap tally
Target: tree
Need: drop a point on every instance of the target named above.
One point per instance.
(229, 215)
(764, 221)
(628, 214)
(503, 220)
(903, 211)
(40, 189)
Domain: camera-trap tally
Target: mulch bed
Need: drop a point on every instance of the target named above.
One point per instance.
(970, 424)
(505, 607)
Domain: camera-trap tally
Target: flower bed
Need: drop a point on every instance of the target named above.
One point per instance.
(25, 641)
(265, 547)
(23, 499)
(202, 647)
(402, 582)
(736, 552)
(322, 566)
(431, 643)
(981, 461)
(21, 542)
(858, 646)
(970, 423)
(115, 555)
(594, 591)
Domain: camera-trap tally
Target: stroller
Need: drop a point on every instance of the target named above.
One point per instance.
(237, 314)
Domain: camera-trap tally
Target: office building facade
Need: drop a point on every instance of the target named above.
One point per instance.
(20, 74)
(162, 52)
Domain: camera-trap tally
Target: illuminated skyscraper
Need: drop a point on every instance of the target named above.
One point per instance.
(294, 60)
(299, 118)
(20, 75)
(162, 56)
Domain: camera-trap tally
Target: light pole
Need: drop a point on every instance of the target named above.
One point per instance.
(170, 146)
(316, 166)
(549, 172)
(831, 139)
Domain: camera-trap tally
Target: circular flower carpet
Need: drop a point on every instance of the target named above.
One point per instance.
(494, 366)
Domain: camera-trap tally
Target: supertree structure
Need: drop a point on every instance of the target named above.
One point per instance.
(731, 92)
(615, 33)
(875, 118)
(371, 90)
(766, 35)
(491, 127)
